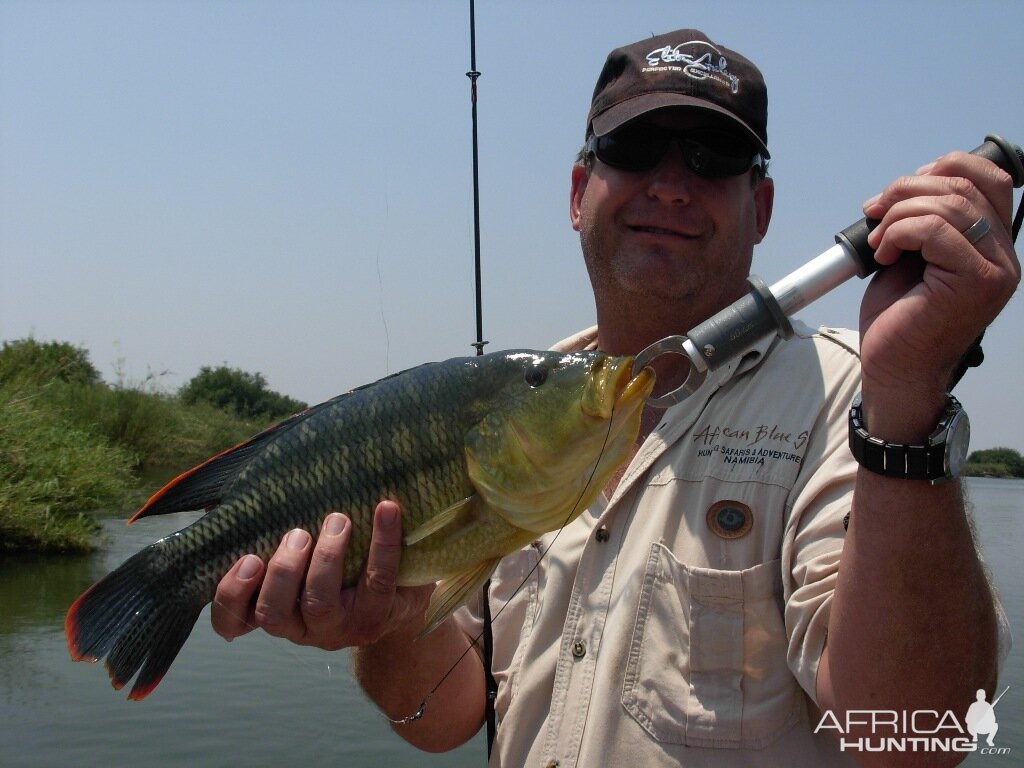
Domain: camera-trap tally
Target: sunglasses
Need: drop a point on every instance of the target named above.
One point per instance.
(709, 152)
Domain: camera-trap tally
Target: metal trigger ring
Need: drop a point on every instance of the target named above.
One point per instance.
(674, 345)
(668, 345)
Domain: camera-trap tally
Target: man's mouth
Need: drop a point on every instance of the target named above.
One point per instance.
(660, 231)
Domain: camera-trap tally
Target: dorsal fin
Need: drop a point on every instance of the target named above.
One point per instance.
(203, 486)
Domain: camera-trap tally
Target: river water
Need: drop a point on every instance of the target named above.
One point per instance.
(264, 702)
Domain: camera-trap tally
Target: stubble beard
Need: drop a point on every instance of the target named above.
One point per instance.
(640, 278)
(663, 291)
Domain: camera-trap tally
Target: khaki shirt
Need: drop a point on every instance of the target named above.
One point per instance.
(681, 621)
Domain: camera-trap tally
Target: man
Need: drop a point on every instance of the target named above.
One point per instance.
(713, 604)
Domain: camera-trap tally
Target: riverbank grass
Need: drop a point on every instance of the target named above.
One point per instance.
(52, 475)
(72, 445)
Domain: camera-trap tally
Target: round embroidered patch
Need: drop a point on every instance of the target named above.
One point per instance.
(730, 519)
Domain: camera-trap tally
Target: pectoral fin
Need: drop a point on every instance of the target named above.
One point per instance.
(458, 518)
(454, 592)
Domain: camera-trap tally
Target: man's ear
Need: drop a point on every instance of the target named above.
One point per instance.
(764, 199)
(580, 177)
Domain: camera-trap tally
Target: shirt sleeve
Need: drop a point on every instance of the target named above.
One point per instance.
(813, 539)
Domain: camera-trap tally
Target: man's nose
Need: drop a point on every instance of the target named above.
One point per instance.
(671, 180)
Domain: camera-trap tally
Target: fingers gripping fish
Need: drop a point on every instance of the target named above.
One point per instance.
(483, 454)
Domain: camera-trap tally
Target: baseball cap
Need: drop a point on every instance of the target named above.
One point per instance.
(679, 69)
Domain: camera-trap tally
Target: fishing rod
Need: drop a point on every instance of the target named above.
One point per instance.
(473, 75)
(488, 634)
(766, 310)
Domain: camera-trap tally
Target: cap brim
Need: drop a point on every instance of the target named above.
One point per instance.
(619, 114)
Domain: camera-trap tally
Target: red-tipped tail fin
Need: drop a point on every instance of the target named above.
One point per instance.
(136, 617)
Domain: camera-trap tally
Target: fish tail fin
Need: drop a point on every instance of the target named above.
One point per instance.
(138, 618)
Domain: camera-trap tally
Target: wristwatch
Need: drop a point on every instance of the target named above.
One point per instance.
(941, 458)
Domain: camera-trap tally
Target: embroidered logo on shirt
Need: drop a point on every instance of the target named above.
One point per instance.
(729, 519)
(750, 445)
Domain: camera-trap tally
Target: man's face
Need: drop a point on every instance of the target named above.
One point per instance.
(668, 234)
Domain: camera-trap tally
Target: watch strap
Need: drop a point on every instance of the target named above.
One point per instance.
(897, 460)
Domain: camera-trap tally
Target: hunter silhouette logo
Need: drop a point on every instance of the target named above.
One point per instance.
(981, 717)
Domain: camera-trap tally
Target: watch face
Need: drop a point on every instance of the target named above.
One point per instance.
(958, 439)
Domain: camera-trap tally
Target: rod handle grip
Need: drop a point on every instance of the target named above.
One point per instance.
(995, 148)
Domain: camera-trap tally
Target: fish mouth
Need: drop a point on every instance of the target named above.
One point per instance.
(616, 391)
(637, 386)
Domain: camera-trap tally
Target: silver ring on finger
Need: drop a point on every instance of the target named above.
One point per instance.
(977, 230)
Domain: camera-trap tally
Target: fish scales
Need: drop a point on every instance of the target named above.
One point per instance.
(390, 452)
(482, 454)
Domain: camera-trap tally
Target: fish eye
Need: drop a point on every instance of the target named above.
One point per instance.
(536, 375)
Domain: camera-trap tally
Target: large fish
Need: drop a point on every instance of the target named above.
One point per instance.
(482, 453)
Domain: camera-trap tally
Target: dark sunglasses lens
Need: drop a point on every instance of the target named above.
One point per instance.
(715, 154)
(710, 153)
(632, 149)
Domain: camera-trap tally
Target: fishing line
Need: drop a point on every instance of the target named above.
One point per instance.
(293, 653)
(380, 293)
(476, 640)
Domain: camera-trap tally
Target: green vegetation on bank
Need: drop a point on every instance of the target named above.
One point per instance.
(243, 394)
(995, 462)
(71, 445)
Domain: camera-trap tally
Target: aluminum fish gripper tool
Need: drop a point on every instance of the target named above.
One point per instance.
(764, 311)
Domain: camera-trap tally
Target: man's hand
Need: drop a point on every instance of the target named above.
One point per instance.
(300, 594)
(920, 315)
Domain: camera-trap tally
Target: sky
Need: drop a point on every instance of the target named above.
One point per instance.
(286, 187)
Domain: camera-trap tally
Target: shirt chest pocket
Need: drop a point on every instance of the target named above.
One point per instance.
(707, 661)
